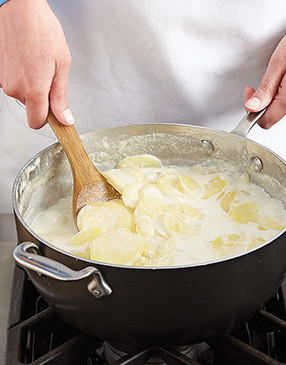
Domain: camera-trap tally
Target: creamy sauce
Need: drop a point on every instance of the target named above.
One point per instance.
(169, 216)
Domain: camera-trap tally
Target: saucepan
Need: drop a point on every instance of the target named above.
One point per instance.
(150, 306)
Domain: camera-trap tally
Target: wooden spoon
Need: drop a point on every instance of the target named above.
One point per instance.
(89, 184)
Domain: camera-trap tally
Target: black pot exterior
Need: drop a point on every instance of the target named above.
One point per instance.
(160, 306)
(164, 306)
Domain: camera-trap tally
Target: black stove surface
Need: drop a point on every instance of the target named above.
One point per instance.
(37, 336)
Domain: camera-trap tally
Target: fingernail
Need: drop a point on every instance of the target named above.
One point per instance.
(253, 103)
(68, 116)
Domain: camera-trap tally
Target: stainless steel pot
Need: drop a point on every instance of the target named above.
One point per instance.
(150, 306)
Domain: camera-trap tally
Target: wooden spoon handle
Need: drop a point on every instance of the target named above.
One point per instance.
(83, 170)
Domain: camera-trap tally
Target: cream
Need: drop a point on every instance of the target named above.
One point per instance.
(183, 215)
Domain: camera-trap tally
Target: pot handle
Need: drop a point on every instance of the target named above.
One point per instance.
(53, 269)
(247, 122)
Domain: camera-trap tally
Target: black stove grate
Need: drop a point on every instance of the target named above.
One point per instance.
(37, 336)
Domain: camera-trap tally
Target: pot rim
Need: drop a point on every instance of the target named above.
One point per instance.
(88, 261)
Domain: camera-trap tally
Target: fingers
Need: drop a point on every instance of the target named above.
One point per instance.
(277, 109)
(270, 82)
(48, 93)
(271, 91)
(37, 106)
(58, 94)
(39, 95)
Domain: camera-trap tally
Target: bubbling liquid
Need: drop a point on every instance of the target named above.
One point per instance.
(168, 216)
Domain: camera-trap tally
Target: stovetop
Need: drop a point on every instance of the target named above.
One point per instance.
(37, 336)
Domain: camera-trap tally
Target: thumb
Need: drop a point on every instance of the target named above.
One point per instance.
(262, 97)
(248, 92)
(59, 99)
(267, 89)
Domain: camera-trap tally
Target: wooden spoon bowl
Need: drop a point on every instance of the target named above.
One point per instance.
(89, 184)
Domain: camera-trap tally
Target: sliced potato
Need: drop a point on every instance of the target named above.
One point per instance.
(227, 245)
(188, 184)
(118, 247)
(140, 161)
(245, 213)
(170, 185)
(257, 241)
(86, 235)
(107, 215)
(50, 220)
(215, 183)
(154, 247)
(211, 192)
(226, 201)
(175, 224)
(82, 253)
(148, 206)
(130, 194)
(145, 227)
(201, 170)
(150, 190)
(119, 178)
(184, 210)
(271, 223)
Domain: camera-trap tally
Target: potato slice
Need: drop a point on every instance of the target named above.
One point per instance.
(108, 216)
(86, 235)
(50, 220)
(154, 247)
(170, 185)
(118, 247)
(119, 178)
(150, 190)
(82, 253)
(201, 170)
(140, 161)
(198, 170)
(225, 240)
(211, 192)
(145, 227)
(262, 228)
(257, 241)
(215, 183)
(245, 213)
(184, 210)
(188, 184)
(271, 223)
(130, 194)
(227, 245)
(226, 201)
(148, 207)
(175, 224)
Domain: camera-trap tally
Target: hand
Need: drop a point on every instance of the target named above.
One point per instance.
(34, 60)
(271, 91)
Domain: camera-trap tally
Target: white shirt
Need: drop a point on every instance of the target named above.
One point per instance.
(175, 61)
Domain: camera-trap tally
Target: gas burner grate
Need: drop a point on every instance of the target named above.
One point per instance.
(37, 336)
(47, 339)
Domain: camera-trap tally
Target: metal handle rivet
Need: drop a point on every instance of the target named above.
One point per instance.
(256, 163)
(96, 292)
(207, 146)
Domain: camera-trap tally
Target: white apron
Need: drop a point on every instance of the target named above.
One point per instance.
(175, 61)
